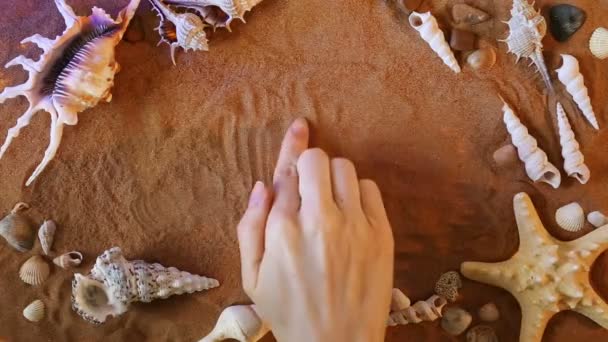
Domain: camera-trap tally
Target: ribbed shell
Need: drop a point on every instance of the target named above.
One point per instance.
(427, 26)
(570, 76)
(34, 271)
(574, 161)
(231, 9)
(570, 217)
(34, 312)
(598, 44)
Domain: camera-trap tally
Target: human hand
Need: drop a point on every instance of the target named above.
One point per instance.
(317, 257)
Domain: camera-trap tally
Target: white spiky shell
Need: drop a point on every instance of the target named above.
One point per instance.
(34, 312)
(46, 235)
(68, 260)
(75, 72)
(598, 44)
(34, 271)
(240, 322)
(574, 161)
(429, 30)
(537, 164)
(570, 217)
(597, 219)
(570, 76)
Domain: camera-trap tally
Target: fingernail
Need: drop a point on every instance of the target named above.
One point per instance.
(257, 194)
(298, 127)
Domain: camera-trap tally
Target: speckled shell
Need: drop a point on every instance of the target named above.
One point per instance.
(34, 271)
(240, 322)
(46, 235)
(427, 26)
(448, 284)
(114, 283)
(574, 161)
(570, 217)
(68, 260)
(598, 44)
(455, 321)
(570, 76)
(597, 219)
(17, 230)
(34, 312)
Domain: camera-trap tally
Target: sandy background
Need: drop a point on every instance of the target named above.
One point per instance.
(164, 170)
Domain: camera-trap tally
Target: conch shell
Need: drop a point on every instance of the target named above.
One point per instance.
(527, 27)
(569, 74)
(240, 322)
(218, 13)
(538, 167)
(428, 310)
(74, 73)
(574, 161)
(17, 230)
(46, 235)
(68, 260)
(114, 283)
(427, 26)
(185, 30)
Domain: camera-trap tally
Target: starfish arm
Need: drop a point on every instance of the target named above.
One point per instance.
(594, 308)
(533, 322)
(495, 274)
(532, 233)
(591, 245)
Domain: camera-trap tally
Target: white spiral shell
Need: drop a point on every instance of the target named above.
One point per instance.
(574, 161)
(570, 76)
(34, 271)
(570, 217)
(34, 312)
(428, 310)
(598, 44)
(427, 26)
(537, 164)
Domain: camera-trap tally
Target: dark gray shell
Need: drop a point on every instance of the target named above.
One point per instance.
(565, 20)
(17, 230)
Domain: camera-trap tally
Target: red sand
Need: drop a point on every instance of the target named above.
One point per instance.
(163, 171)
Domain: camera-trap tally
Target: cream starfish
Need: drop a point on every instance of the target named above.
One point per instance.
(546, 275)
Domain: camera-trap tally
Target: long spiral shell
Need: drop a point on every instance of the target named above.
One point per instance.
(574, 161)
(537, 164)
(570, 76)
(427, 310)
(427, 26)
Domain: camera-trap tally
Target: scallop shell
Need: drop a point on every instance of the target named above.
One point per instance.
(68, 260)
(489, 313)
(597, 219)
(429, 30)
(598, 44)
(482, 333)
(570, 217)
(455, 321)
(217, 13)
(17, 230)
(185, 30)
(46, 235)
(482, 59)
(570, 76)
(75, 72)
(35, 311)
(34, 271)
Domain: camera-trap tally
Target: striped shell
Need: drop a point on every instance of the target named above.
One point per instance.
(34, 271)
(570, 217)
(598, 44)
(35, 311)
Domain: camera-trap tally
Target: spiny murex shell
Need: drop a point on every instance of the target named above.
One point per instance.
(429, 30)
(570, 217)
(34, 271)
(114, 283)
(574, 161)
(570, 76)
(68, 260)
(537, 164)
(598, 44)
(46, 235)
(185, 30)
(240, 322)
(17, 230)
(34, 312)
(74, 73)
(218, 13)
(527, 27)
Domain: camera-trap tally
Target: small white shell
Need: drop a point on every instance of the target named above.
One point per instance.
(597, 219)
(34, 271)
(399, 301)
(598, 44)
(427, 26)
(35, 311)
(484, 58)
(455, 321)
(489, 313)
(570, 217)
(570, 76)
(46, 235)
(574, 161)
(68, 260)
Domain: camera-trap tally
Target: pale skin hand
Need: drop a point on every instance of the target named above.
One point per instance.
(317, 250)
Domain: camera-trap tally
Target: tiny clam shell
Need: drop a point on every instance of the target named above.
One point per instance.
(35, 311)
(34, 271)
(481, 333)
(598, 44)
(570, 217)
(489, 313)
(46, 235)
(484, 58)
(68, 260)
(597, 219)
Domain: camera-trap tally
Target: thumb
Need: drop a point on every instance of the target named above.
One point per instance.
(251, 232)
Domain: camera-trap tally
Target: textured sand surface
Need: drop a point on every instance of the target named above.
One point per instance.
(164, 170)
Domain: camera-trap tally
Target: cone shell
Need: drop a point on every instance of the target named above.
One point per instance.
(489, 313)
(46, 235)
(570, 217)
(455, 321)
(68, 260)
(34, 271)
(599, 43)
(17, 229)
(35, 311)
(597, 219)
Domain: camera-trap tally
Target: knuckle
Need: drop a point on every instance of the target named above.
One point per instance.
(313, 155)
